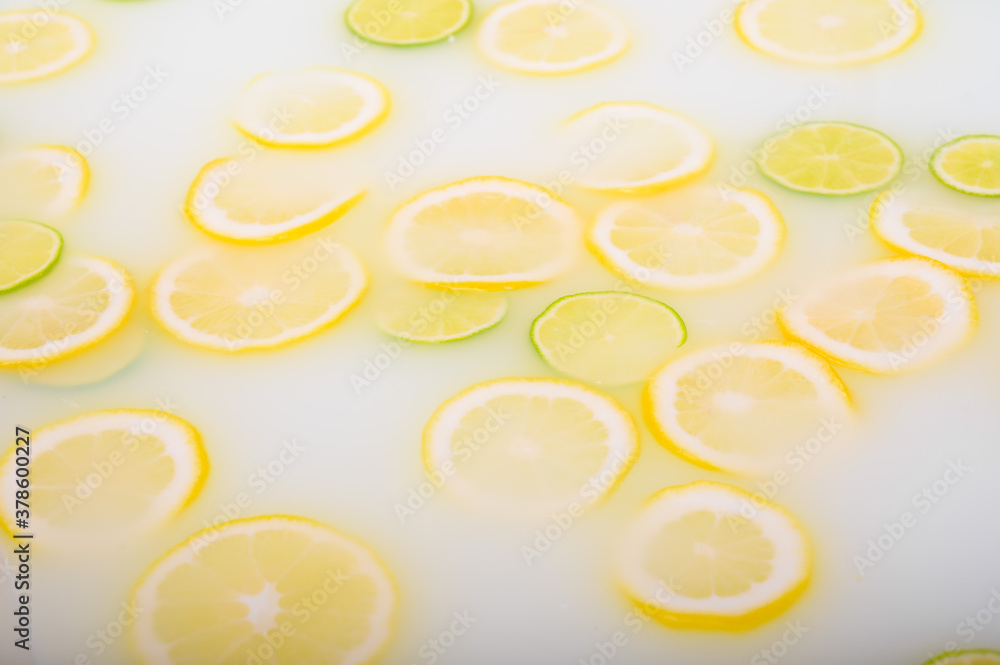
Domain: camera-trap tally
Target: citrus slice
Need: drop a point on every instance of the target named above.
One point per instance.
(28, 250)
(832, 158)
(259, 201)
(550, 36)
(274, 589)
(643, 147)
(886, 316)
(742, 408)
(106, 472)
(828, 32)
(968, 242)
(37, 44)
(316, 106)
(710, 555)
(526, 447)
(440, 315)
(235, 300)
(103, 360)
(408, 22)
(967, 657)
(689, 240)
(42, 182)
(969, 164)
(488, 232)
(610, 338)
(82, 301)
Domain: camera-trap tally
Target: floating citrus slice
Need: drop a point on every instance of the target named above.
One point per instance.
(408, 22)
(38, 44)
(28, 250)
(969, 164)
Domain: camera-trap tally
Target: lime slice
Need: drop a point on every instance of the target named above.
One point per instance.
(969, 657)
(831, 158)
(28, 250)
(969, 164)
(440, 315)
(408, 22)
(610, 338)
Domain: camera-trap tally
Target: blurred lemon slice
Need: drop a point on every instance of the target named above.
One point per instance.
(276, 589)
(709, 555)
(42, 182)
(689, 240)
(743, 411)
(967, 657)
(969, 164)
(886, 316)
(82, 301)
(609, 338)
(828, 32)
(28, 250)
(551, 37)
(38, 44)
(93, 365)
(525, 447)
(487, 232)
(440, 315)
(408, 22)
(316, 106)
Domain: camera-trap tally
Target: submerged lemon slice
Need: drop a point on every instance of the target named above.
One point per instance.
(741, 408)
(38, 44)
(316, 106)
(28, 250)
(234, 300)
(828, 32)
(886, 316)
(260, 201)
(831, 158)
(709, 555)
(43, 182)
(550, 36)
(969, 164)
(610, 338)
(488, 232)
(968, 242)
(525, 447)
(274, 589)
(967, 657)
(408, 22)
(644, 147)
(689, 240)
(82, 301)
(440, 315)
(106, 472)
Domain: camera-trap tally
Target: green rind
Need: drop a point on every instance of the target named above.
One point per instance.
(44, 270)
(382, 42)
(872, 188)
(948, 656)
(538, 319)
(932, 164)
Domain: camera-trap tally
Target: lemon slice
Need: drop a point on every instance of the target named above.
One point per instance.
(42, 182)
(886, 316)
(966, 241)
(440, 315)
(832, 158)
(82, 301)
(611, 338)
(526, 447)
(258, 201)
(103, 360)
(106, 472)
(408, 22)
(37, 44)
(967, 657)
(742, 411)
(969, 164)
(689, 240)
(643, 147)
(277, 589)
(709, 555)
(316, 106)
(828, 32)
(551, 37)
(235, 300)
(28, 250)
(488, 232)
